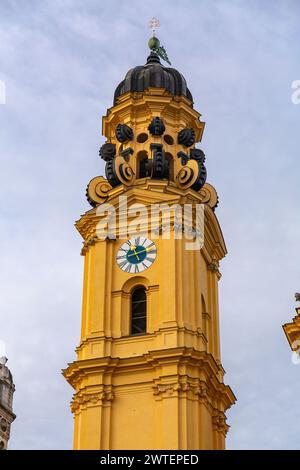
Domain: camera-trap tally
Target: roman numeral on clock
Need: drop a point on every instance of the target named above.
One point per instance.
(123, 264)
(128, 268)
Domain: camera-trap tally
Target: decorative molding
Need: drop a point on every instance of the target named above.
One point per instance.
(85, 398)
(208, 387)
(169, 389)
(195, 387)
(90, 241)
(209, 196)
(219, 422)
(213, 266)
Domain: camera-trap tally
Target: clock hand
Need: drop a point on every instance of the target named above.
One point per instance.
(146, 249)
(134, 252)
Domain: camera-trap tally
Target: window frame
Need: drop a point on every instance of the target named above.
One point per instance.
(139, 317)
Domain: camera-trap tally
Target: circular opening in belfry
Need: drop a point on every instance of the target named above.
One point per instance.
(141, 138)
(168, 139)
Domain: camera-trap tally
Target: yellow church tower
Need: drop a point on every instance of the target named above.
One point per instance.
(148, 373)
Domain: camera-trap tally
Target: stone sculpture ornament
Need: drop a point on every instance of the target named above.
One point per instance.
(107, 152)
(209, 196)
(193, 173)
(186, 137)
(123, 133)
(160, 166)
(118, 168)
(199, 156)
(97, 191)
(156, 127)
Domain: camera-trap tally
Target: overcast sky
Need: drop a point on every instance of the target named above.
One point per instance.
(61, 61)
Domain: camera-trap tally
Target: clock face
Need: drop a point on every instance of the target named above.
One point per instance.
(136, 255)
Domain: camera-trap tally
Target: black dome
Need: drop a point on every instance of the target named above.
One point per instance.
(153, 74)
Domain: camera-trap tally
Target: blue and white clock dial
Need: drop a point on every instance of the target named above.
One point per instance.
(136, 255)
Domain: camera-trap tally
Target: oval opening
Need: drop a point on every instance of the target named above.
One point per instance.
(141, 138)
(168, 139)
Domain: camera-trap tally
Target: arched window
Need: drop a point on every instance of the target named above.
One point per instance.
(138, 311)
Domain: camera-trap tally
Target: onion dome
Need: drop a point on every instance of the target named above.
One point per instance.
(153, 74)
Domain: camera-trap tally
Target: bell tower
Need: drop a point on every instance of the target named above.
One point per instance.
(7, 416)
(148, 373)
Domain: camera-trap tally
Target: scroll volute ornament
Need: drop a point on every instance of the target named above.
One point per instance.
(117, 169)
(123, 171)
(97, 190)
(209, 195)
(193, 173)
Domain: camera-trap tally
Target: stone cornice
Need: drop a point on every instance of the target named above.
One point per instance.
(150, 192)
(78, 369)
(200, 359)
(156, 101)
(206, 386)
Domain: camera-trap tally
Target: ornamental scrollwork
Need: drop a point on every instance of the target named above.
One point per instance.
(117, 169)
(219, 422)
(97, 190)
(90, 241)
(193, 172)
(84, 399)
(198, 389)
(209, 196)
(168, 389)
(122, 168)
